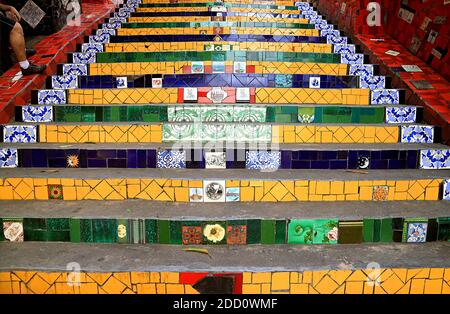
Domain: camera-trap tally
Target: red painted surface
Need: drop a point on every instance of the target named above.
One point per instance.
(51, 51)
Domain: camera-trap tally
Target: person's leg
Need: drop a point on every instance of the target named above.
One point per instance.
(17, 42)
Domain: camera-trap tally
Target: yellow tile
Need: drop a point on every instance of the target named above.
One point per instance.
(301, 288)
(355, 287)
(146, 288)
(417, 286)
(170, 277)
(326, 285)
(251, 289)
(280, 280)
(351, 187)
(435, 273)
(323, 187)
(261, 277)
(337, 187)
(433, 286)
(174, 289)
(155, 277)
(247, 277)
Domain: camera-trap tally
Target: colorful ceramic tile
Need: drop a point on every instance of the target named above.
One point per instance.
(401, 114)
(336, 40)
(64, 81)
(55, 192)
(8, 158)
(19, 133)
(380, 193)
(233, 194)
(102, 37)
(51, 97)
(361, 69)
(37, 113)
(314, 82)
(363, 162)
(190, 94)
(243, 94)
(83, 57)
(218, 67)
(351, 49)
(196, 195)
(215, 160)
(417, 134)
(325, 231)
(416, 232)
(74, 69)
(320, 231)
(214, 191)
(236, 234)
(191, 235)
(435, 159)
(262, 160)
(352, 58)
(198, 67)
(217, 95)
(446, 194)
(121, 82)
(73, 161)
(373, 82)
(239, 67)
(92, 48)
(157, 82)
(306, 115)
(385, 97)
(171, 159)
(13, 230)
(214, 233)
(122, 232)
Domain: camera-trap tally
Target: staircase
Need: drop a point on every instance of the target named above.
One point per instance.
(231, 147)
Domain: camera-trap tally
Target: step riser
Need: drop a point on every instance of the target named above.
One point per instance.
(231, 232)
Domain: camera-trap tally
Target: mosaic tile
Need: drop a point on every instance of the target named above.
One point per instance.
(336, 40)
(239, 67)
(314, 82)
(232, 194)
(64, 82)
(83, 57)
(385, 97)
(19, 133)
(102, 37)
(262, 160)
(356, 58)
(157, 82)
(214, 233)
(243, 94)
(361, 69)
(347, 49)
(215, 160)
(13, 230)
(306, 115)
(37, 113)
(73, 161)
(401, 114)
(8, 158)
(91, 48)
(196, 195)
(122, 82)
(435, 159)
(363, 162)
(416, 232)
(171, 159)
(214, 191)
(55, 192)
(313, 231)
(373, 82)
(446, 194)
(190, 94)
(217, 95)
(417, 134)
(52, 97)
(236, 234)
(380, 193)
(191, 235)
(74, 69)
(198, 67)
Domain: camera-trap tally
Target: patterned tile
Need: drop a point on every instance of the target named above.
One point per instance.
(385, 97)
(401, 114)
(236, 234)
(8, 158)
(373, 82)
(55, 192)
(314, 82)
(64, 81)
(435, 159)
(191, 235)
(13, 230)
(416, 232)
(214, 191)
(92, 48)
(19, 133)
(214, 233)
(83, 57)
(37, 113)
(122, 82)
(361, 69)
(74, 69)
(417, 134)
(196, 195)
(347, 49)
(349, 58)
(215, 160)
(380, 193)
(52, 97)
(321, 231)
(446, 194)
(261, 160)
(102, 37)
(232, 194)
(171, 159)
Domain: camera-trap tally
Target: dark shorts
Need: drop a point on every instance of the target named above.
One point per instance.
(6, 24)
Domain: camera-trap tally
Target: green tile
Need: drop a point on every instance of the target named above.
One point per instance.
(164, 231)
(104, 230)
(86, 230)
(386, 230)
(175, 232)
(151, 231)
(368, 230)
(35, 235)
(58, 224)
(443, 229)
(58, 236)
(34, 223)
(267, 231)
(253, 231)
(300, 231)
(306, 115)
(137, 231)
(280, 232)
(75, 231)
(325, 231)
(237, 222)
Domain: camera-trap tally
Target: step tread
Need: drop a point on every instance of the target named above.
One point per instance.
(46, 256)
(224, 174)
(131, 209)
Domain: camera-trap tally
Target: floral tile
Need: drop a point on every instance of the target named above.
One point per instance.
(55, 192)
(191, 235)
(8, 158)
(214, 233)
(417, 134)
(37, 113)
(52, 97)
(306, 115)
(214, 191)
(249, 114)
(171, 159)
(64, 81)
(416, 232)
(321, 231)
(262, 160)
(184, 114)
(325, 231)
(435, 159)
(380, 193)
(401, 114)
(19, 133)
(236, 234)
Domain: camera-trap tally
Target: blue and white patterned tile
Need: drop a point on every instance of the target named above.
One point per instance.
(75, 69)
(356, 58)
(401, 114)
(361, 69)
(122, 14)
(117, 19)
(435, 159)
(262, 160)
(329, 32)
(19, 133)
(303, 6)
(52, 97)
(93, 48)
(385, 97)
(345, 49)
(83, 58)
(373, 82)
(171, 159)
(37, 113)
(8, 158)
(446, 194)
(64, 81)
(323, 25)
(111, 26)
(100, 39)
(336, 40)
(417, 134)
(417, 232)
